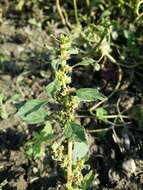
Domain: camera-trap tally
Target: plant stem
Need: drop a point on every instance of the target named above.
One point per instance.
(75, 11)
(88, 2)
(69, 169)
(60, 12)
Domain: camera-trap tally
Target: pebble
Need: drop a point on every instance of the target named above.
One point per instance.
(35, 170)
(129, 167)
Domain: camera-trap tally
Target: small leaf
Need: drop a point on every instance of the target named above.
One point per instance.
(47, 130)
(53, 88)
(55, 63)
(87, 181)
(35, 148)
(101, 113)
(73, 51)
(35, 151)
(75, 132)
(80, 150)
(32, 111)
(85, 62)
(89, 94)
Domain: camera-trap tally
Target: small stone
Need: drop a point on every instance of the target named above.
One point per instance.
(35, 170)
(129, 167)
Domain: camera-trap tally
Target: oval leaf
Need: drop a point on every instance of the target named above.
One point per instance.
(101, 113)
(80, 150)
(32, 111)
(87, 180)
(53, 88)
(75, 132)
(35, 117)
(85, 62)
(89, 94)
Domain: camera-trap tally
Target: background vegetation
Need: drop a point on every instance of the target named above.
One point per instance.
(106, 45)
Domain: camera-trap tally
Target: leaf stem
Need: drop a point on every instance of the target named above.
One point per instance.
(69, 169)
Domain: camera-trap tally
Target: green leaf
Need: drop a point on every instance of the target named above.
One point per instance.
(73, 51)
(35, 117)
(101, 113)
(53, 88)
(35, 151)
(55, 63)
(32, 111)
(89, 94)
(85, 62)
(47, 130)
(88, 179)
(75, 132)
(35, 148)
(45, 134)
(30, 106)
(80, 150)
